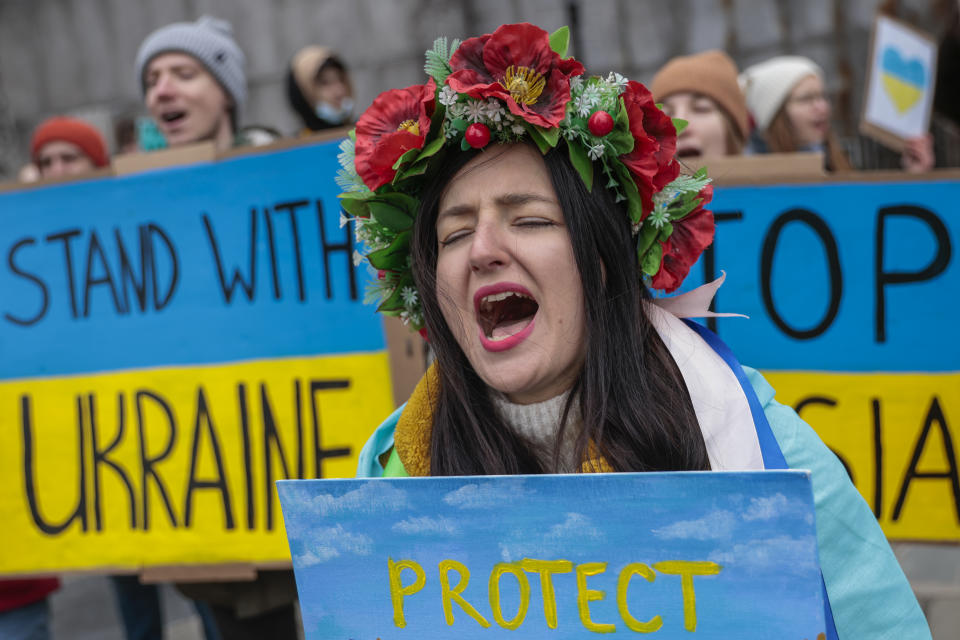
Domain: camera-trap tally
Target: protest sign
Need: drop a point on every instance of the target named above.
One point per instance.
(900, 83)
(719, 554)
(172, 343)
(850, 291)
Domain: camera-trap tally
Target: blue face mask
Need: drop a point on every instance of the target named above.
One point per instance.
(334, 115)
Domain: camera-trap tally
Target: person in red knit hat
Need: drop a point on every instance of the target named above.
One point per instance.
(24, 610)
(63, 146)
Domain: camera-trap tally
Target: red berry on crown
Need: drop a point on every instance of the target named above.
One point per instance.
(600, 123)
(477, 135)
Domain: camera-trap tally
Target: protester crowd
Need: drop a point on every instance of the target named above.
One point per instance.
(194, 89)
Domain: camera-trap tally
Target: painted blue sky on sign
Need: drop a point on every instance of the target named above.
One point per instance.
(757, 526)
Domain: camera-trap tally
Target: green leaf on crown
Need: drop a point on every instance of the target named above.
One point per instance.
(405, 158)
(393, 304)
(436, 120)
(560, 41)
(620, 137)
(625, 182)
(393, 257)
(403, 173)
(355, 207)
(390, 216)
(650, 261)
(402, 201)
(665, 232)
(581, 162)
(430, 149)
(416, 169)
(551, 135)
(536, 134)
(646, 238)
(437, 65)
(683, 205)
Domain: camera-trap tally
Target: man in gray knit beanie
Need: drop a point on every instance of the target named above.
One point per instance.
(192, 78)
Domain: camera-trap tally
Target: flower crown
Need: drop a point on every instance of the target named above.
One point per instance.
(504, 87)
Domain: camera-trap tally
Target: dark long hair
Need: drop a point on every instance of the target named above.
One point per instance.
(635, 406)
(781, 137)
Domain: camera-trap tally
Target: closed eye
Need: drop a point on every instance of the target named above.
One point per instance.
(534, 222)
(456, 235)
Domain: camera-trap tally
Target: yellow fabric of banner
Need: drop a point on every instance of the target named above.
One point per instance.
(174, 466)
(897, 434)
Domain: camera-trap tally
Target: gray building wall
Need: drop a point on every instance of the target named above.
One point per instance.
(76, 56)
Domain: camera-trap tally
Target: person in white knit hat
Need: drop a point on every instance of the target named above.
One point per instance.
(193, 81)
(791, 109)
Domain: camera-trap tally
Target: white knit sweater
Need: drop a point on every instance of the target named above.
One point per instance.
(538, 424)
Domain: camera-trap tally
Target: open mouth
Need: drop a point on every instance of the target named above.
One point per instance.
(688, 152)
(170, 117)
(505, 313)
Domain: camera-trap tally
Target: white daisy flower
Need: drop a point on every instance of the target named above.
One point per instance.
(474, 111)
(596, 151)
(409, 295)
(659, 217)
(576, 83)
(357, 258)
(617, 80)
(493, 109)
(448, 97)
(583, 106)
(518, 129)
(591, 94)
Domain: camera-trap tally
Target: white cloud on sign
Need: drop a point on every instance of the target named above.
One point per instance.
(783, 552)
(426, 524)
(486, 495)
(371, 497)
(576, 530)
(716, 525)
(326, 543)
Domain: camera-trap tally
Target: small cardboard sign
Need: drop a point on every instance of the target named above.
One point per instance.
(900, 83)
(560, 556)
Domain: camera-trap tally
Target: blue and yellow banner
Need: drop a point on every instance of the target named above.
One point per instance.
(851, 292)
(172, 343)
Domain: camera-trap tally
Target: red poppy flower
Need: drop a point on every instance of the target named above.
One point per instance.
(654, 144)
(516, 64)
(690, 237)
(396, 122)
